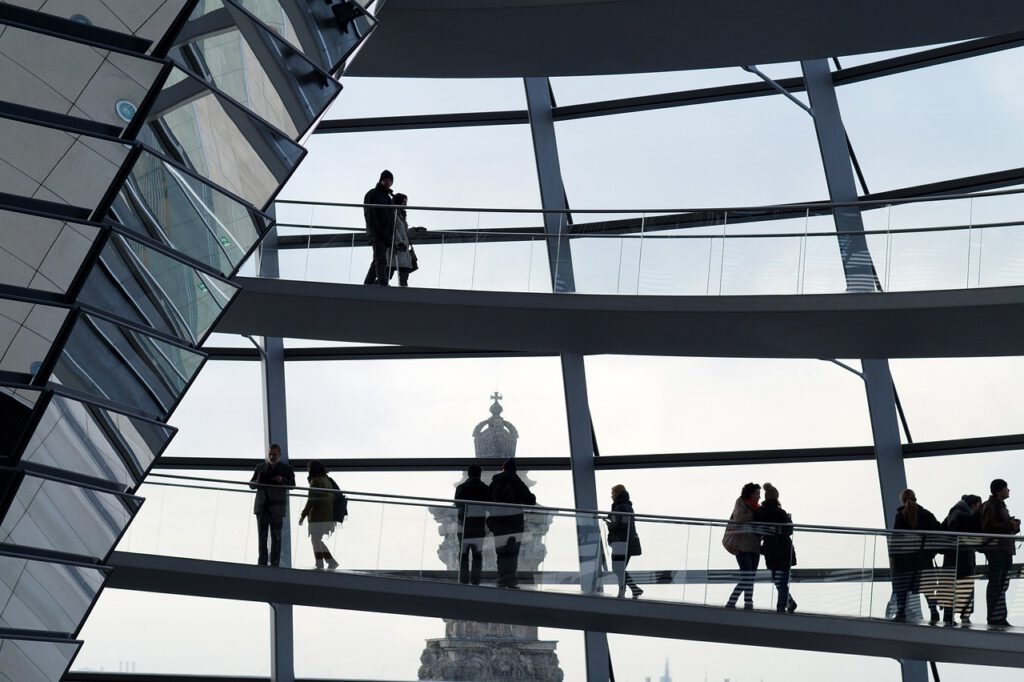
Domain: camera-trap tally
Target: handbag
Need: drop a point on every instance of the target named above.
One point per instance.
(731, 538)
(415, 260)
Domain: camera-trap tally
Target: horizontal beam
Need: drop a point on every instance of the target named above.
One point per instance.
(368, 353)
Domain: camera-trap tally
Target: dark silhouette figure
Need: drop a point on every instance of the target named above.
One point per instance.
(319, 510)
(959, 563)
(623, 540)
(508, 523)
(911, 554)
(271, 480)
(742, 540)
(379, 228)
(472, 524)
(777, 546)
(996, 519)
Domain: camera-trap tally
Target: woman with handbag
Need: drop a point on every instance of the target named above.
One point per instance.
(623, 540)
(319, 510)
(401, 256)
(741, 539)
(909, 554)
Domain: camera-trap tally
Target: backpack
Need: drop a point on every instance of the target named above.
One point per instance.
(340, 503)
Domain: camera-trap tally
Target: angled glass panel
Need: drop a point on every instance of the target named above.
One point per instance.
(85, 439)
(234, 52)
(42, 253)
(145, 374)
(148, 19)
(144, 285)
(29, 660)
(46, 596)
(71, 78)
(168, 204)
(221, 141)
(15, 413)
(53, 515)
(26, 333)
(326, 33)
(53, 165)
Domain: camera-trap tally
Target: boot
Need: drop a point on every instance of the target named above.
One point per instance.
(331, 563)
(934, 613)
(636, 591)
(947, 615)
(319, 560)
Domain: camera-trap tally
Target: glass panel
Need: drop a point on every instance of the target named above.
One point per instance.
(147, 19)
(23, 660)
(580, 89)
(52, 515)
(27, 332)
(96, 442)
(58, 75)
(263, 72)
(148, 287)
(141, 372)
(42, 253)
(40, 595)
(376, 97)
(15, 413)
(167, 204)
(221, 140)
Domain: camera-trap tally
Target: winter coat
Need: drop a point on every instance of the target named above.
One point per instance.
(622, 529)
(400, 248)
(961, 519)
(913, 551)
(742, 517)
(472, 517)
(776, 540)
(320, 500)
(506, 487)
(379, 221)
(995, 518)
(274, 498)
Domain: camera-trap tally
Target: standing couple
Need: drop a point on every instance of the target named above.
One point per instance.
(388, 234)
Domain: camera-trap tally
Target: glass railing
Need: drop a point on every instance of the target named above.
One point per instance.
(958, 242)
(850, 572)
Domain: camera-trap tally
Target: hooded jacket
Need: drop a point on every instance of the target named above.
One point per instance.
(379, 221)
(777, 544)
(622, 529)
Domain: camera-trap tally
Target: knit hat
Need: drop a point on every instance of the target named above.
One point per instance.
(386, 175)
(770, 492)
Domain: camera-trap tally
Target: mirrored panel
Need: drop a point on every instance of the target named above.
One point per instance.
(143, 373)
(231, 50)
(164, 202)
(58, 516)
(221, 140)
(45, 596)
(85, 439)
(27, 332)
(29, 660)
(42, 253)
(144, 285)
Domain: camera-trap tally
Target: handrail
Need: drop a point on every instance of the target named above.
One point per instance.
(844, 530)
(824, 206)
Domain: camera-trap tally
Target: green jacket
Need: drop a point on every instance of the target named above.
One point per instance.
(320, 503)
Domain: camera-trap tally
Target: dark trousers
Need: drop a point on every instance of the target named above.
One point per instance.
(619, 563)
(998, 581)
(781, 580)
(378, 272)
(268, 522)
(748, 563)
(506, 549)
(471, 558)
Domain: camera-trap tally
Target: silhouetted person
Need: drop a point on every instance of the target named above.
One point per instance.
(623, 540)
(958, 560)
(472, 524)
(910, 553)
(319, 510)
(508, 523)
(741, 540)
(271, 480)
(996, 519)
(379, 228)
(401, 256)
(777, 545)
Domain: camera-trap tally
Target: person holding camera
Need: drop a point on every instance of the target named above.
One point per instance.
(996, 519)
(271, 480)
(401, 256)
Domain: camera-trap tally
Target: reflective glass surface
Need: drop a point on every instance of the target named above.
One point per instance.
(221, 140)
(52, 515)
(39, 595)
(26, 333)
(16, 411)
(42, 253)
(93, 441)
(236, 53)
(144, 374)
(146, 286)
(25, 660)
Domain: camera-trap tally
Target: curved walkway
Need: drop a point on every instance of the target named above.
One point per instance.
(957, 323)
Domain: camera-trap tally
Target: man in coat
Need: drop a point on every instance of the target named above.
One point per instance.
(472, 529)
(271, 481)
(995, 518)
(508, 523)
(379, 226)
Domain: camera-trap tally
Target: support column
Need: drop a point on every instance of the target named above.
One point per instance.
(860, 277)
(275, 424)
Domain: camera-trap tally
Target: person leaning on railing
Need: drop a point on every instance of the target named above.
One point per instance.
(995, 518)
